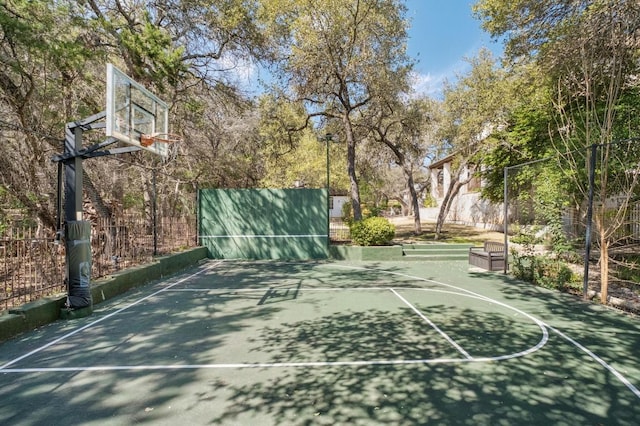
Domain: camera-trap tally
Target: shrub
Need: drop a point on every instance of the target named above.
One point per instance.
(347, 213)
(367, 212)
(544, 271)
(373, 231)
(429, 201)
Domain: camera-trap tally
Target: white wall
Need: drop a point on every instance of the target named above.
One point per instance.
(467, 208)
(338, 202)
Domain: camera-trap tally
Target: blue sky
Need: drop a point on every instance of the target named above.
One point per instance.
(442, 34)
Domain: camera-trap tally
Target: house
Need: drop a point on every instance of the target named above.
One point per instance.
(468, 208)
(335, 205)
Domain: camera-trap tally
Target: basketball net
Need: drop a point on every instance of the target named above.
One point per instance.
(148, 140)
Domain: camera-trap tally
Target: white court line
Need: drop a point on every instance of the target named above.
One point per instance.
(435, 327)
(595, 357)
(170, 288)
(600, 361)
(466, 292)
(261, 290)
(308, 364)
(540, 344)
(91, 324)
(240, 365)
(544, 327)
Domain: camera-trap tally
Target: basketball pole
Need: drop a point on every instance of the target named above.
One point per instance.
(75, 231)
(328, 138)
(505, 220)
(73, 173)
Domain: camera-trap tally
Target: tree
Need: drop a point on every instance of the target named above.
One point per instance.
(589, 51)
(41, 59)
(337, 56)
(402, 126)
(474, 108)
(53, 56)
(539, 192)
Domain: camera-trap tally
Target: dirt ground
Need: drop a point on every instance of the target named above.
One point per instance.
(452, 233)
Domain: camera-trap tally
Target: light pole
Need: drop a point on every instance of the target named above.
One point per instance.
(328, 137)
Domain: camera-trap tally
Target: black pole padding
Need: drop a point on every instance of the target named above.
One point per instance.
(78, 248)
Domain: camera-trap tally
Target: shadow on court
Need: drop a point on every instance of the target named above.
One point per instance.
(550, 387)
(613, 335)
(157, 357)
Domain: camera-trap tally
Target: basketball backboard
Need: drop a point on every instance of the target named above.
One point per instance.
(133, 111)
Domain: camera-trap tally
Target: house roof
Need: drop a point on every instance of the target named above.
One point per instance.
(442, 161)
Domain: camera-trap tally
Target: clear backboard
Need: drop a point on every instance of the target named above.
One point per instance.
(133, 111)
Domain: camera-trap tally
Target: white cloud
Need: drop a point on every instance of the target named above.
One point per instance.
(433, 84)
(237, 70)
(426, 84)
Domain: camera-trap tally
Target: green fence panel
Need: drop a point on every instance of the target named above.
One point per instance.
(264, 223)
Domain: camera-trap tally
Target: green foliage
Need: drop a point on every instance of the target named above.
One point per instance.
(347, 213)
(148, 43)
(429, 201)
(367, 212)
(546, 270)
(340, 59)
(373, 231)
(524, 139)
(133, 201)
(551, 202)
(527, 237)
(370, 211)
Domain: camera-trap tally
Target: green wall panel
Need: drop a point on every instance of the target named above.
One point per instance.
(264, 223)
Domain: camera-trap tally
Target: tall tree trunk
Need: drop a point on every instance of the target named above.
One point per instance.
(604, 268)
(351, 168)
(447, 202)
(417, 226)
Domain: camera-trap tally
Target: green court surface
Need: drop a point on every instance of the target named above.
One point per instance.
(328, 343)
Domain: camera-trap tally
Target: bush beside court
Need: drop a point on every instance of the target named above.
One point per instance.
(373, 231)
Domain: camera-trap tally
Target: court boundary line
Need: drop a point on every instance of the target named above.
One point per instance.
(99, 320)
(306, 364)
(261, 290)
(599, 360)
(566, 337)
(544, 326)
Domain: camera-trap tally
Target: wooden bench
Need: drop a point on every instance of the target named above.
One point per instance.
(490, 256)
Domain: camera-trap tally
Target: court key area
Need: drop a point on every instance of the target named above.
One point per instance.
(279, 343)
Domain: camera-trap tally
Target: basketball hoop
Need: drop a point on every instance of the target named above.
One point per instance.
(148, 140)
